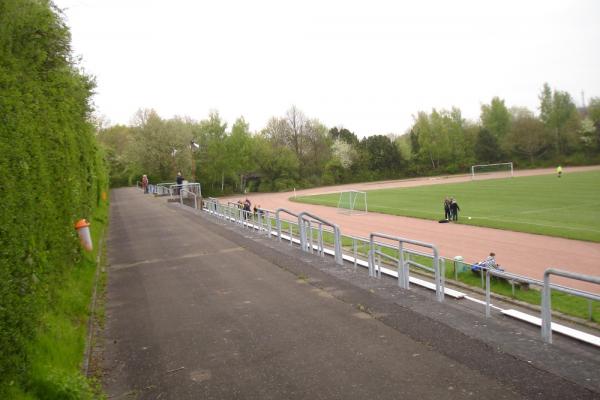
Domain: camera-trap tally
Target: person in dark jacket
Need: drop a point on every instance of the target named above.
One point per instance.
(179, 181)
(454, 209)
(447, 208)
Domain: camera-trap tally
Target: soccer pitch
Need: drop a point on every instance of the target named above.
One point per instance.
(566, 207)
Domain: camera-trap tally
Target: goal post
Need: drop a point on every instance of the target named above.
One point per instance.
(498, 169)
(352, 202)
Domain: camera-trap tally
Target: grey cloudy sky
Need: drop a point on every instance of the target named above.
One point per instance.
(366, 65)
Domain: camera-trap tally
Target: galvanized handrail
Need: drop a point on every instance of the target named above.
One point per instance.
(547, 300)
(267, 213)
(337, 241)
(403, 270)
(278, 221)
(192, 193)
(193, 186)
(500, 274)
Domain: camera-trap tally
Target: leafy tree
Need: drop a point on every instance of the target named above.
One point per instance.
(296, 121)
(211, 163)
(594, 110)
(344, 152)
(594, 116)
(277, 165)
(116, 141)
(317, 150)
(527, 136)
(487, 148)
(239, 152)
(383, 156)
(495, 118)
(344, 135)
(559, 115)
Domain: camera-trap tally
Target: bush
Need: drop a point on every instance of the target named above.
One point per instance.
(51, 171)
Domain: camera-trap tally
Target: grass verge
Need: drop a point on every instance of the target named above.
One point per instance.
(56, 353)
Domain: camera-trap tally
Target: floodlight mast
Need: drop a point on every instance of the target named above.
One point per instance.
(193, 145)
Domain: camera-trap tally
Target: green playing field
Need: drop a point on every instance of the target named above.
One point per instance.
(566, 207)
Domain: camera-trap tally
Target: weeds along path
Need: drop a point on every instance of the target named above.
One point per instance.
(521, 253)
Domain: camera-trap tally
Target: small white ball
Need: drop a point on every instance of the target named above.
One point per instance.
(469, 217)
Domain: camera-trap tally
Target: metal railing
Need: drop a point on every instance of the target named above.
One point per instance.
(547, 299)
(304, 222)
(403, 264)
(290, 224)
(194, 187)
(264, 217)
(162, 189)
(370, 248)
(190, 194)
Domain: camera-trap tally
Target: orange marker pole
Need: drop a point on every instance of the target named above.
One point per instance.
(83, 230)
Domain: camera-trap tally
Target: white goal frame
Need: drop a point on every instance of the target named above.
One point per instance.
(353, 195)
(509, 164)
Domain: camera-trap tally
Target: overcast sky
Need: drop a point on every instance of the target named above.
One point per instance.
(366, 65)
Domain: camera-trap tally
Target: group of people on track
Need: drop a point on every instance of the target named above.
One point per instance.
(451, 209)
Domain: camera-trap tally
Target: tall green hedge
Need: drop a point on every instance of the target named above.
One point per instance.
(51, 172)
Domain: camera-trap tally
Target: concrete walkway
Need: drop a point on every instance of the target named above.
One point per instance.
(195, 311)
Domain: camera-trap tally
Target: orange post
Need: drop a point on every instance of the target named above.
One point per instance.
(83, 230)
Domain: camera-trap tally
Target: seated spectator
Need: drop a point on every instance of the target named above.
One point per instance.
(488, 263)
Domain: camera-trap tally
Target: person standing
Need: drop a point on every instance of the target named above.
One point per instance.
(145, 183)
(179, 181)
(559, 171)
(247, 208)
(454, 209)
(447, 208)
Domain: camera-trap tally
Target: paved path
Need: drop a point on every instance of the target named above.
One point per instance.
(521, 253)
(194, 312)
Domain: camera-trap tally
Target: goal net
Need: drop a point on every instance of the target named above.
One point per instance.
(352, 202)
(500, 170)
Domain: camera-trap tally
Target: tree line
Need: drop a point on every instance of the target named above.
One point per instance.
(296, 151)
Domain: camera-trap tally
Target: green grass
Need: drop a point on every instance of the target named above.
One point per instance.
(568, 207)
(56, 353)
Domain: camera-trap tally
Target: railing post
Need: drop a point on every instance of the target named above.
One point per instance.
(321, 247)
(403, 269)
(439, 278)
(371, 256)
(378, 265)
(355, 251)
(487, 292)
(546, 309)
(339, 257)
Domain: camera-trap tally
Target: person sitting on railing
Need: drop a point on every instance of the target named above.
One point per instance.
(488, 263)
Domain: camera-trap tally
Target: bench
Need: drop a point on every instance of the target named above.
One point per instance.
(521, 284)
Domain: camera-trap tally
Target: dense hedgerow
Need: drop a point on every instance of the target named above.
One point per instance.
(51, 171)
